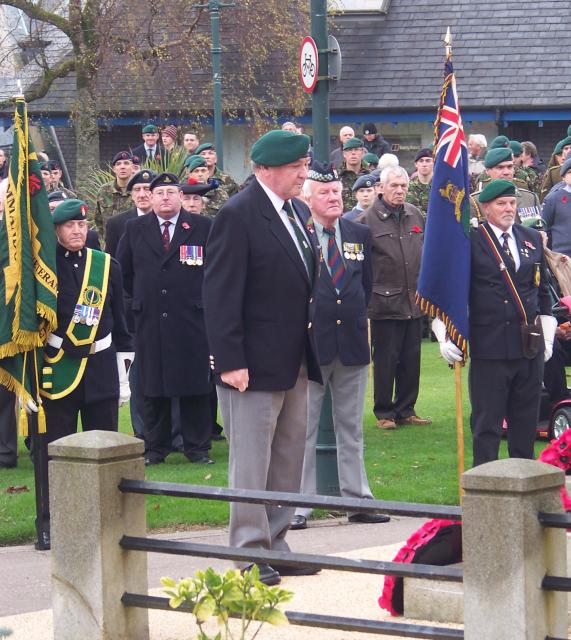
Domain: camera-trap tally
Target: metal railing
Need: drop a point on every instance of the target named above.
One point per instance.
(380, 627)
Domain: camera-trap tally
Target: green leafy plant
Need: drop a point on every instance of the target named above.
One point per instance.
(232, 595)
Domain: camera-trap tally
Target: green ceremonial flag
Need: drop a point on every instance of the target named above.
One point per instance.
(28, 280)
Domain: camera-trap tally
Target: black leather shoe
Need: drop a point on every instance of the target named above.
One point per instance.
(370, 518)
(298, 522)
(217, 436)
(268, 575)
(285, 570)
(150, 461)
(201, 460)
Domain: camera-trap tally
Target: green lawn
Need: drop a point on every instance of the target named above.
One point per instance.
(411, 464)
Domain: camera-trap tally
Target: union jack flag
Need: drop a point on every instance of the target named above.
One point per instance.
(444, 281)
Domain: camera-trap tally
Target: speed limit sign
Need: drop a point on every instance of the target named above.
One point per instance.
(308, 64)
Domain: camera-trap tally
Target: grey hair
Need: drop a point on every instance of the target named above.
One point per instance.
(479, 139)
(399, 172)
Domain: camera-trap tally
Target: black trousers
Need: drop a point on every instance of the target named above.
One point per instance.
(8, 432)
(395, 349)
(554, 376)
(61, 415)
(195, 421)
(509, 389)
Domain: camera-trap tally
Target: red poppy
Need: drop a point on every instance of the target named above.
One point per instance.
(185, 225)
(564, 199)
(416, 229)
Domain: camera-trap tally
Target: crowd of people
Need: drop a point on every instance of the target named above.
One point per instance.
(188, 293)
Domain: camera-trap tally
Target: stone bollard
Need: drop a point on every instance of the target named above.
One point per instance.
(89, 515)
(507, 553)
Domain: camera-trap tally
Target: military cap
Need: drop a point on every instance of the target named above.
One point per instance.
(45, 166)
(322, 172)
(516, 148)
(368, 128)
(170, 130)
(203, 147)
(150, 128)
(57, 196)
(371, 158)
(164, 180)
(141, 177)
(122, 155)
(499, 141)
(497, 155)
(277, 147)
(353, 143)
(198, 188)
(562, 143)
(496, 189)
(363, 182)
(423, 153)
(70, 209)
(376, 174)
(136, 159)
(569, 130)
(192, 162)
(565, 167)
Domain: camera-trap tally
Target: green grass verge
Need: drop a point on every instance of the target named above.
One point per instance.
(410, 464)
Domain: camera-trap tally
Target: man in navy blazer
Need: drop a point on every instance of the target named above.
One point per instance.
(505, 378)
(258, 295)
(343, 292)
(162, 255)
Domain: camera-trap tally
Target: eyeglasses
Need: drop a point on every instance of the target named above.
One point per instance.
(165, 193)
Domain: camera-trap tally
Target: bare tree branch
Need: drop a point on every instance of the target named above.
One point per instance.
(39, 90)
(36, 12)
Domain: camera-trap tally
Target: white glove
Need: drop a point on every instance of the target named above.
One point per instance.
(448, 350)
(549, 325)
(124, 361)
(30, 406)
(474, 222)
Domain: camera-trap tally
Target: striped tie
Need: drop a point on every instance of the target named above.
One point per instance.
(334, 259)
(166, 236)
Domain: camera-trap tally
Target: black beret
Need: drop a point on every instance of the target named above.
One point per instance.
(164, 179)
(141, 177)
(199, 188)
(57, 196)
(369, 128)
(423, 153)
(363, 182)
(122, 155)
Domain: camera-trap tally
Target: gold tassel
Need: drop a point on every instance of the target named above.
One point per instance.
(23, 423)
(41, 420)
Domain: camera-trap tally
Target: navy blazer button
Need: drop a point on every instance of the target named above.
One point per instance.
(505, 301)
(338, 301)
(165, 315)
(309, 325)
(338, 321)
(310, 300)
(164, 291)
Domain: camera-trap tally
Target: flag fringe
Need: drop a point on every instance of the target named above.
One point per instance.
(459, 340)
(48, 314)
(8, 381)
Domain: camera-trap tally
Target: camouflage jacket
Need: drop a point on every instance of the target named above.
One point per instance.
(111, 200)
(227, 183)
(348, 178)
(213, 200)
(477, 183)
(418, 195)
(552, 177)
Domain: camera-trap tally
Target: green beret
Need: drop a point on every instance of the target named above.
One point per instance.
(495, 189)
(150, 128)
(371, 158)
(192, 162)
(516, 148)
(70, 209)
(353, 143)
(498, 142)
(204, 147)
(562, 143)
(497, 155)
(569, 130)
(278, 147)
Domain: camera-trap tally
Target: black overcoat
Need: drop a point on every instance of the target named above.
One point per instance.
(170, 339)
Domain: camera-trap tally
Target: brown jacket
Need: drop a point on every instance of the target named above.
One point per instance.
(396, 254)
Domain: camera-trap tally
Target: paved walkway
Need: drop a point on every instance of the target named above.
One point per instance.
(25, 584)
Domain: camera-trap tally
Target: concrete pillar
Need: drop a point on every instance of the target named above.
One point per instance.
(89, 515)
(507, 552)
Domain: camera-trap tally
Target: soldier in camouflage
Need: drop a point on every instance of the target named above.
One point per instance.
(419, 186)
(525, 174)
(227, 183)
(552, 175)
(113, 197)
(500, 165)
(352, 167)
(213, 198)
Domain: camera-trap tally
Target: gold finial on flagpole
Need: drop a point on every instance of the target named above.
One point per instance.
(20, 94)
(448, 42)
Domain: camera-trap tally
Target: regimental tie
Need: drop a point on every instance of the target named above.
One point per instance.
(302, 240)
(166, 236)
(506, 248)
(334, 259)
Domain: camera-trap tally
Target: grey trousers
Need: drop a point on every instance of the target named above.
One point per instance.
(348, 385)
(266, 434)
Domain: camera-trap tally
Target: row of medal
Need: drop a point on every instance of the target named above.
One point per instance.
(192, 255)
(84, 314)
(354, 251)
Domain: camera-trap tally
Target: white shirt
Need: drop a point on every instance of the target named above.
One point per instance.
(150, 151)
(279, 207)
(511, 242)
(171, 226)
(141, 213)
